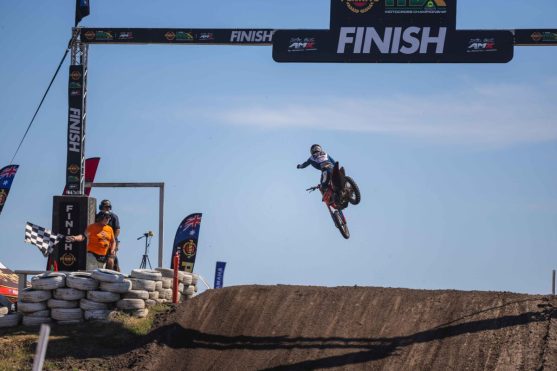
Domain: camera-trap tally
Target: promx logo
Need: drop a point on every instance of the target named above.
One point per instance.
(415, 6)
(359, 6)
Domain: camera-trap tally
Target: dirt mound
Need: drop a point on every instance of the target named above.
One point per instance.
(294, 327)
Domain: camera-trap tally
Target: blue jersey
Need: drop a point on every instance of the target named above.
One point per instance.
(320, 162)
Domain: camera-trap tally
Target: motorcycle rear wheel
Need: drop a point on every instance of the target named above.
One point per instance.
(341, 225)
(354, 196)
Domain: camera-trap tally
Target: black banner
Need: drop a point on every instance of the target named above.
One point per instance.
(7, 174)
(75, 169)
(185, 242)
(536, 37)
(393, 45)
(393, 31)
(71, 215)
(184, 36)
(430, 13)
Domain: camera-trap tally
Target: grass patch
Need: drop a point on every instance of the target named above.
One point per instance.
(89, 340)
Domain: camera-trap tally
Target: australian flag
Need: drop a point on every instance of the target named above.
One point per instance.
(7, 174)
(185, 242)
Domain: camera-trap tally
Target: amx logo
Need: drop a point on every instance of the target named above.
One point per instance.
(359, 6)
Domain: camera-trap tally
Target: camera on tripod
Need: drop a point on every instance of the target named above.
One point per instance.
(145, 259)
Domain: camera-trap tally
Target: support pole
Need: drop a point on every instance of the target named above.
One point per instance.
(38, 362)
(553, 283)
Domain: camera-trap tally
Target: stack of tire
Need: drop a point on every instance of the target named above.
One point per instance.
(9, 319)
(101, 300)
(187, 284)
(48, 298)
(143, 293)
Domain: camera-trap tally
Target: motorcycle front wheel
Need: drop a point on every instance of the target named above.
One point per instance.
(353, 191)
(340, 223)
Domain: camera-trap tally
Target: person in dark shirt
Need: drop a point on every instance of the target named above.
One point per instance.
(112, 259)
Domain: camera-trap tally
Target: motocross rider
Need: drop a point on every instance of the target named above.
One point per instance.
(320, 160)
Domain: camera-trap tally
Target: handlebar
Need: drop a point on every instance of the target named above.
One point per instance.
(311, 189)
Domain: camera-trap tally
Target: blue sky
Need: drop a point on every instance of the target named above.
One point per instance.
(456, 162)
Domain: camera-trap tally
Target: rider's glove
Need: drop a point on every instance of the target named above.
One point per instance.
(299, 166)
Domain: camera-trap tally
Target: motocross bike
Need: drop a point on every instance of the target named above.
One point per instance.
(341, 190)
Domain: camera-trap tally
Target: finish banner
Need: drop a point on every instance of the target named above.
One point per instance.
(393, 31)
(184, 36)
(219, 275)
(7, 175)
(185, 242)
(75, 172)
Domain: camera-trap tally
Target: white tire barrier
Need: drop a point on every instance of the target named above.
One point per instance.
(81, 281)
(154, 295)
(166, 294)
(55, 303)
(188, 279)
(41, 282)
(169, 273)
(117, 287)
(67, 314)
(190, 290)
(181, 287)
(137, 294)
(40, 313)
(30, 307)
(128, 304)
(68, 293)
(146, 274)
(34, 296)
(140, 284)
(139, 313)
(87, 304)
(10, 320)
(51, 274)
(150, 303)
(103, 296)
(97, 314)
(35, 321)
(107, 275)
(166, 283)
(158, 286)
(194, 279)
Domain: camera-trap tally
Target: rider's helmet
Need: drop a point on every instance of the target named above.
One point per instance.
(315, 149)
(105, 203)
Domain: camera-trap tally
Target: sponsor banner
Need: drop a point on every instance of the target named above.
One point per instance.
(91, 165)
(432, 13)
(75, 172)
(183, 36)
(535, 37)
(185, 242)
(219, 275)
(7, 175)
(411, 44)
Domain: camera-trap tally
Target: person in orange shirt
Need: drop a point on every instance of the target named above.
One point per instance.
(100, 241)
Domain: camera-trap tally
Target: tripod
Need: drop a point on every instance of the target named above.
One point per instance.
(145, 260)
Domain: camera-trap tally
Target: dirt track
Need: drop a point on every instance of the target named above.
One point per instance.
(295, 327)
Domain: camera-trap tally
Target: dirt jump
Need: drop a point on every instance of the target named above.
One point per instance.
(361, 328)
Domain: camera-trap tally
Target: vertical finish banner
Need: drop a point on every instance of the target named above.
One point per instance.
(75, 172)
(7, 174)
(219, 275)
(185, 242)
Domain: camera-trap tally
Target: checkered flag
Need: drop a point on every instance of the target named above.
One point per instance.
(41, 237)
